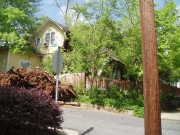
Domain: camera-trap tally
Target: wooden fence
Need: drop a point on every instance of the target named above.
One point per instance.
(80, 79)
(75, 79)
(167, 89)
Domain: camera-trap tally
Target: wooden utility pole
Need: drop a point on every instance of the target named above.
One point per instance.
(152, 119)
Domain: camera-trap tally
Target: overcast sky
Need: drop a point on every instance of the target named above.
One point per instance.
(50, 9)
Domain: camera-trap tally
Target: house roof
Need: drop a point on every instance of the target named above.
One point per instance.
(33, 52)
(65, 29)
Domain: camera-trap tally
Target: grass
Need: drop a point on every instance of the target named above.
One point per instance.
(114, 98)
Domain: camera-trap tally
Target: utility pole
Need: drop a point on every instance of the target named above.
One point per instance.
(152, 119)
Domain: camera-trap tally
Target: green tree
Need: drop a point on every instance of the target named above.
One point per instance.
(18, 21)
(96, 39)
(130, 53)
(112, 28)
(168, 39)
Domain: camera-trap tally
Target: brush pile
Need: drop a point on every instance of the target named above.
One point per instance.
(37, 78)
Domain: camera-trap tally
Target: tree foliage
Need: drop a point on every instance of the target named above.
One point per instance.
(68, 66)
(27, 111)
(168, 42)
(46, 65)
(112, 28)
(18, 21)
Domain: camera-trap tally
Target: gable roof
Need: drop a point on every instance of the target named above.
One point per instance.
(48, 20)
(63, 27)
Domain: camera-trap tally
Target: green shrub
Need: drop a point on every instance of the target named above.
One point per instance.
(27, 111)
(139, 112)
(115, 98)
(167, 97)
(47, 65)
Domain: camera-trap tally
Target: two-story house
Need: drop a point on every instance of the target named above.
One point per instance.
(45, 40)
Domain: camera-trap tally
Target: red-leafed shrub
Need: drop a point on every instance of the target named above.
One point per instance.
(27, 111)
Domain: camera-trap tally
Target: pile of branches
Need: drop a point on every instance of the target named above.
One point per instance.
(37, 78)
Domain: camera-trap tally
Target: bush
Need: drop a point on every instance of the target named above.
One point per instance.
(27, 111)
(47, 65)
(114, 98)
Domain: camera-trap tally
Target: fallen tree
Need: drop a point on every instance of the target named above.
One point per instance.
(37, 78)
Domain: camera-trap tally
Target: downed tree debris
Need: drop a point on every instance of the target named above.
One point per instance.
(37, 78)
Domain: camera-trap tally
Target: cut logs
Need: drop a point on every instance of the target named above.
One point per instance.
(37, 78)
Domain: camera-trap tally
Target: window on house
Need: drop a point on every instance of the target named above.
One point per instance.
(50, 38)
(24, 64)
(38, 42)
(2, 42)
(47, 38)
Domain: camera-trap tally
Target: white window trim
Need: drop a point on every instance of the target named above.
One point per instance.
(50, 38)
(24, 61)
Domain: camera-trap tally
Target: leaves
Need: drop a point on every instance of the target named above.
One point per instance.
(18, 22)
(105, 35)
(46, 65)
(114, 98)
(114, 26)
(168, 42)
(27, 108)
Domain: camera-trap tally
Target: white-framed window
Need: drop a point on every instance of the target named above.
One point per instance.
(38, 41)
(2, 42)
(50, 38)
(24, 64)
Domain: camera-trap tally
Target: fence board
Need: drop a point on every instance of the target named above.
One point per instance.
(75, 79)
(79, 79)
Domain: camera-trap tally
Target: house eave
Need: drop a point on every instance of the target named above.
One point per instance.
(65, 29)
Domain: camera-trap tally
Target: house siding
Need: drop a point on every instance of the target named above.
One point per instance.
(15, 59)
(8, 59)
(59, 38)
(3, 59)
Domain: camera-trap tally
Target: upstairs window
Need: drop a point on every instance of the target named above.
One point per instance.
(50, 38)
(2, 42)
(38, 41)
(24, 64)
(47, 39)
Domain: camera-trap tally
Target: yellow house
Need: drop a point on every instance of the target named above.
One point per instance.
(46, 40)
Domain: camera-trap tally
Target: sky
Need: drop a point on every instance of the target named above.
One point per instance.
(50, 9)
